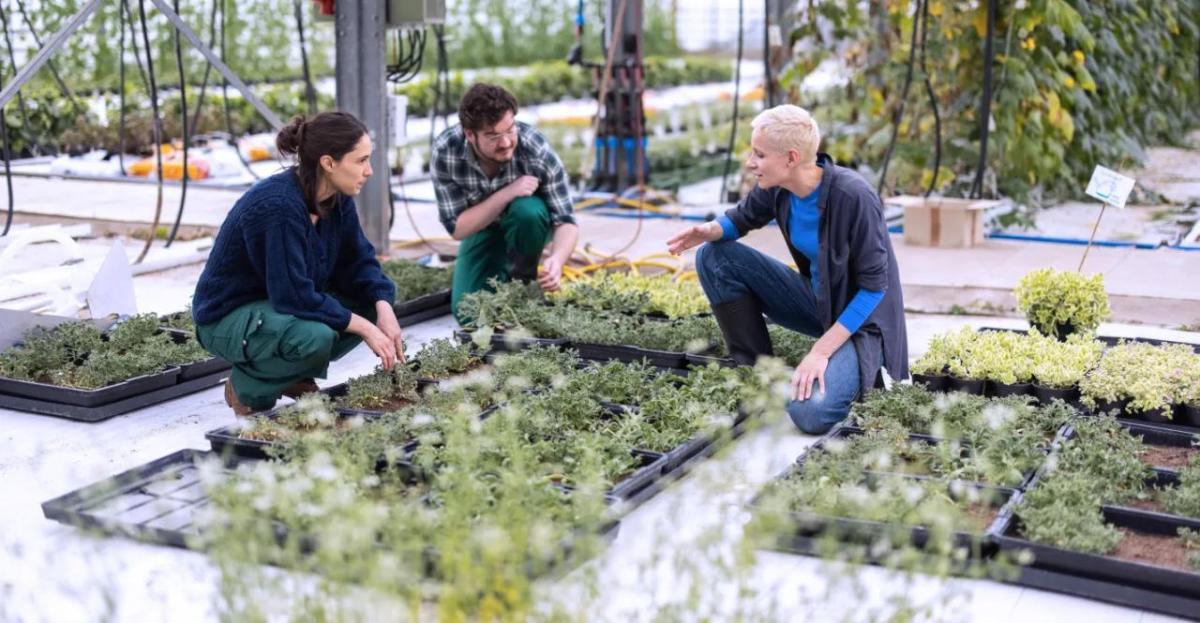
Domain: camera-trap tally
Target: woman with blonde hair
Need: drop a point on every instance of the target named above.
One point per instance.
(846, 290)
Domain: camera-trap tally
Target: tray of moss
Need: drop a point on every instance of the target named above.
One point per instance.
(875, 508)
(114, 408)
(45, 392)
(649, 467)
(1167, 496)
(927, 457)
(1154, 565)
(1165, 448)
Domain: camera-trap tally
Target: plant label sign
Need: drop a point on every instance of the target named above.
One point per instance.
(1109, 186)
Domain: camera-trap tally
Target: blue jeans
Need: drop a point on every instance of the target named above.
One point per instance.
(730, 270)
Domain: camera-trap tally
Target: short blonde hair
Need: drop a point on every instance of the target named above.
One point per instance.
(790, 127)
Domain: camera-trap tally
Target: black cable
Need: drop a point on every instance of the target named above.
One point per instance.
(183, 116)
(737, 83)
(208, 67)
(34, 147)
(225, 100)
(985, 107)
(7, 156)
(121, 90)
(157, 129)
(126, 18)
(767, 53)
(912, 57)
(937, 118)
(310, 93)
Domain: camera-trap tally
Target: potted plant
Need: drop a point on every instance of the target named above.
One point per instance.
(1059, 367)
(1059, 303)
(931, 369)
(1004, 358)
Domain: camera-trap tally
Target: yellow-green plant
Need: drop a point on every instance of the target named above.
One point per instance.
(635, 293)
(1053, 300)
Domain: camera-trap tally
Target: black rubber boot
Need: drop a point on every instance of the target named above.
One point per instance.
(744, 329)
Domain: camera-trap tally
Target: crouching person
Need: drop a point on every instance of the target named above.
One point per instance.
(846, 291)
(292, 283)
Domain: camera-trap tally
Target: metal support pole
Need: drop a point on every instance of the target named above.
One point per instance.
(233, 79)
(625, 17)
(52, 46)
(361, 66)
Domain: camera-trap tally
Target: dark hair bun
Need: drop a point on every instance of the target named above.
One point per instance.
(291, 137)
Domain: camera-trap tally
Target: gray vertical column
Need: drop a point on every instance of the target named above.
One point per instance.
(361, 26)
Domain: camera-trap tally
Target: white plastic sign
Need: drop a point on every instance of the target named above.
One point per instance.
(111, 291)
(1110, 187)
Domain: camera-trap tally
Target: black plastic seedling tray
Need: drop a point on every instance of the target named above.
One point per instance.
(1162, 479)
(88, 397)
(1156, 435)
(110, 409)
(1106, 578)
(848, 431)
(700, 361)
(439, 300)
(156, 502)
(196, 369)
(809, 526)
(501, 342)
(630, 354)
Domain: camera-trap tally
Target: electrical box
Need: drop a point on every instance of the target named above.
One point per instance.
(409, 13)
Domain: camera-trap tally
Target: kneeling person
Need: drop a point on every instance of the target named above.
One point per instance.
(503, 192)
(846, 292)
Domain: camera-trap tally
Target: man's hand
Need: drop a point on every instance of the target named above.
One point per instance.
(694, 236)
(550, 273)
(810, 371)
(387, 323)
(522, 186)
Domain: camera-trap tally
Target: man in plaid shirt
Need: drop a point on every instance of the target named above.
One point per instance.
(501, 191)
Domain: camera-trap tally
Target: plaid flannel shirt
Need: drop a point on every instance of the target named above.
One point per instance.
(460, 183)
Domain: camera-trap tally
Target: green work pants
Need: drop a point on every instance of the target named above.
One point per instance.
(518, 236)
(270, 351)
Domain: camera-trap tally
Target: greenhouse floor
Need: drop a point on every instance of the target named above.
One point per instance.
(51, 572)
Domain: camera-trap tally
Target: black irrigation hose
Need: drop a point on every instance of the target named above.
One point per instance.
(912, 58)
(212, 42)
(157, 130)
(225, 100)
(937, 118)
(126, 19)
(12, 59)
(737, 83)
(310, 93)
(770, 85)
(121, 90)
(985, 107)
(7, 171)
(183, 117)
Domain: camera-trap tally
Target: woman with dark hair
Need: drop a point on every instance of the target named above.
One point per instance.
(291, 282)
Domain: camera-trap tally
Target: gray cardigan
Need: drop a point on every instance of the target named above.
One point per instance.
(855, 252)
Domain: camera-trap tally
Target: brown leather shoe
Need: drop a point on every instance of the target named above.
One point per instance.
(231, 399)
(301, 387)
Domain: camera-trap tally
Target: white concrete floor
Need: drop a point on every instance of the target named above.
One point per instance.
(50, 572)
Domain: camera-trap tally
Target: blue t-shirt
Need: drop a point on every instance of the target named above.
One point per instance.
(804, 227)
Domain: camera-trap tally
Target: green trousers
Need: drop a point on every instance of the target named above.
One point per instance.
(516, 239)
(270, 351)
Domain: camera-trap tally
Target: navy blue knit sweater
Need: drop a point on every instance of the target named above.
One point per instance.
(268, 248)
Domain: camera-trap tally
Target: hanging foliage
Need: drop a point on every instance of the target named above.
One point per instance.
(1076, 83)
